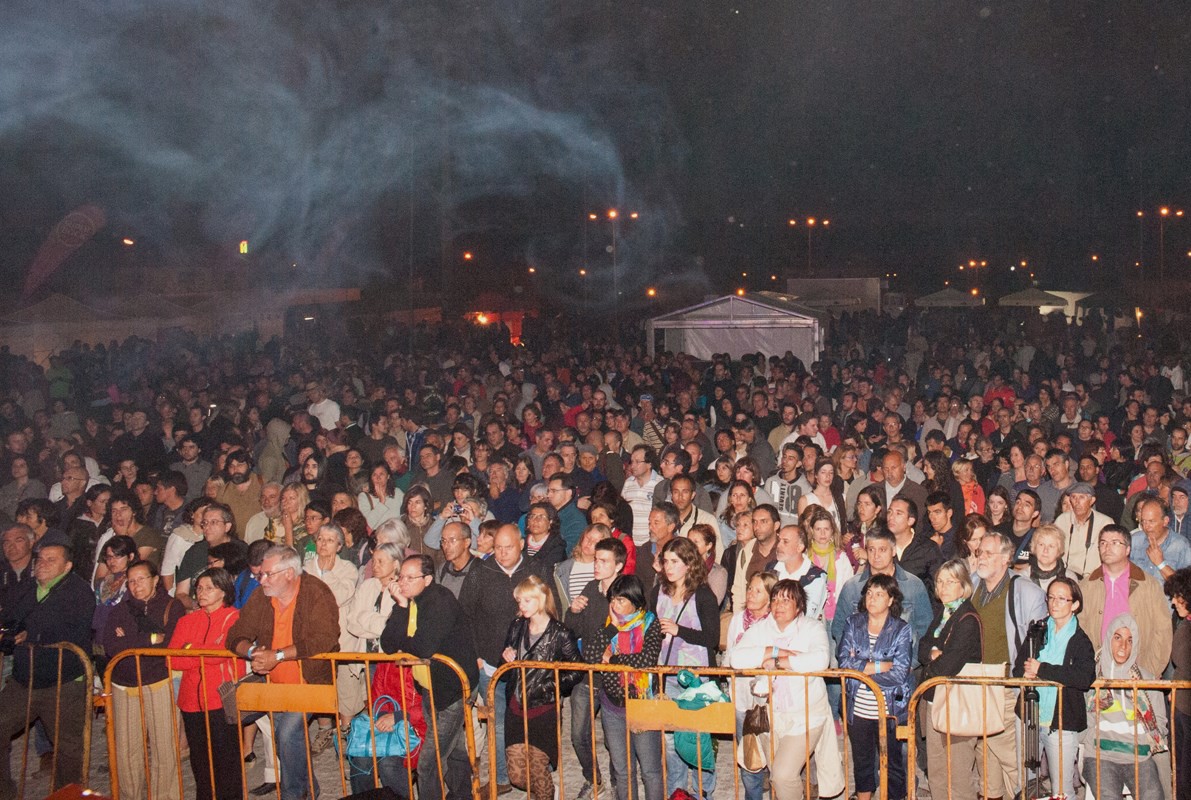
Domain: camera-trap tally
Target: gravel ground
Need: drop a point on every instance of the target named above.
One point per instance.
(37, 786)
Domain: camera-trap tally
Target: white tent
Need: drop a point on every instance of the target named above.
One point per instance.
(949, 298)
(765, 322)
(1031, 298)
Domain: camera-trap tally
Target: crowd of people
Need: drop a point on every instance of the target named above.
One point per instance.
(934, 493)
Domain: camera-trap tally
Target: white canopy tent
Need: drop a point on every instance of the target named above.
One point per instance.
(949, 298)
(765, 322)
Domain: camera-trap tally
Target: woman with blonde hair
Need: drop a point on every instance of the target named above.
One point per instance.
(537, 635)
(294, 499)
(1047, 548)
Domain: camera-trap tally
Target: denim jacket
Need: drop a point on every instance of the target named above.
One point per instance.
(894, 646)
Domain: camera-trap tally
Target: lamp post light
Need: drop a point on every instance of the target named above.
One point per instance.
(1164, 213)
(811, 224)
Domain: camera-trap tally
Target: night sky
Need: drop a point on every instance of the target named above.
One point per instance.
(355, 138)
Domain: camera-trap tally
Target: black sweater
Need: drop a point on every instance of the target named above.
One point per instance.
(442, 630)
(1076, 674)
(487, 600)
(63, 616)
(960, 642)
(708, 609)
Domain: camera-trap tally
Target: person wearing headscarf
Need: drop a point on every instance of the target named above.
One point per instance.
(1125, 728)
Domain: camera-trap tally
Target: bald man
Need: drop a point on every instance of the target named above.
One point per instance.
(489, 605)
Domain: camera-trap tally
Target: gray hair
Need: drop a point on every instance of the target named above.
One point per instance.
(957, 568)
(394, 531)
(539, 488)
(479, 505)
(287, 558)
(393, 551)
(334, 528)
(1003, 541)
(25, 530)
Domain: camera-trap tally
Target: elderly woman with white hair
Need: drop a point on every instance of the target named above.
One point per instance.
(340, 576)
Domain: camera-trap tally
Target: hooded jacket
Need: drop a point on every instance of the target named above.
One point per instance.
(271, 464)
(1118, 725)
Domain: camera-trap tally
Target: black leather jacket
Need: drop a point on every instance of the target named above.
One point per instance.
(555, 644)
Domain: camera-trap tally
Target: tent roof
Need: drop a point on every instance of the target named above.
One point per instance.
(142, 305)
(1032, 297)
(754, 308)
(949, 298)
(55, 308)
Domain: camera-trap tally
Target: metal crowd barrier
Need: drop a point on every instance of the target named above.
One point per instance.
(1015, 737)
(268, 699)
(664, 715)
(53, 724)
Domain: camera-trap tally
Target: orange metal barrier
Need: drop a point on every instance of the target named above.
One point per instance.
(1011, 740)
(87, 681)
(266, 698)
(664, 716)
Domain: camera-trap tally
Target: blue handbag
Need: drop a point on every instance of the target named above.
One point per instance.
(401, 741)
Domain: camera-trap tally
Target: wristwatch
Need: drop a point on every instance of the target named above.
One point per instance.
(279, 655)
(251, 650)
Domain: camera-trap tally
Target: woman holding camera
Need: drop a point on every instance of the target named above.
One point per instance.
(1066, 657)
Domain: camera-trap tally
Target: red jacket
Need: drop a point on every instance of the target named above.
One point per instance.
(398, 683)
(203, 631)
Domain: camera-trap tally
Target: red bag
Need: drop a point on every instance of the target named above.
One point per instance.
(397, 682)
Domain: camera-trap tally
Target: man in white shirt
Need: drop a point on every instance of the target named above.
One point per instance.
(638, 492)
(321, 407)
(792, 563)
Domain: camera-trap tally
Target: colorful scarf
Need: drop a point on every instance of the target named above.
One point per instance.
(748, 620)
(630, 639)
(948, 610)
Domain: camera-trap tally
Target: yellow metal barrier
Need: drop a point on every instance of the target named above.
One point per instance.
(941, 791)
(86, 681)
(663, 715)
(275, 698)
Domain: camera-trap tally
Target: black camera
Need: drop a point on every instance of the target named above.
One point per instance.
(8, 637)
(1035, 637)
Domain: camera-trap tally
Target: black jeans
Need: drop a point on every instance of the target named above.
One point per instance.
(225, 753)
(864, 736)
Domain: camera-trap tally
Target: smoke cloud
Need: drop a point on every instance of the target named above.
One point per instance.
(301, 126)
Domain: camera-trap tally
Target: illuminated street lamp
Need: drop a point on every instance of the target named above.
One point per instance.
(1164, 213)
(811, 223)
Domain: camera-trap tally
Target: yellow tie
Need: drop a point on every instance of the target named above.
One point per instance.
(421, 672)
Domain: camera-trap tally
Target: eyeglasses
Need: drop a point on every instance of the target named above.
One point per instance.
(1050, 598)
(1113, 543)
(410, 578)
(270, 575)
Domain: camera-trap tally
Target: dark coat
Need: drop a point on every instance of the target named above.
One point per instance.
(1076, 674)
(137, 623)
(555, 644)
(63, 616)
(442, 630)
(488, 602)
(960, 642)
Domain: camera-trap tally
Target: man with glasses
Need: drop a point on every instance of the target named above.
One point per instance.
(217, 526)
(457, 555)
(561, 494)
(427, 621)
(1119, 586)
(56, 606)
(1007, 604)
(638, 491)
(291, 619)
